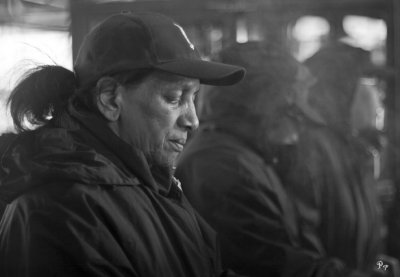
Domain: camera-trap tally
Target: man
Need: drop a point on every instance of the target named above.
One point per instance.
(90, 191)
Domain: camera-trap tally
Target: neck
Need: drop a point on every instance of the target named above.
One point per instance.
(162, 174)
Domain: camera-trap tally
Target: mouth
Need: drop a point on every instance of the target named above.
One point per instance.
(177, 144)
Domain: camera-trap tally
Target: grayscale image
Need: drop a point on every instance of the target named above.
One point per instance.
(199, 138)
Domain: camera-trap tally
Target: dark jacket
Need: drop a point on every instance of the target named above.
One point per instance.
(260, 228)
(84, 203)
(336, 197)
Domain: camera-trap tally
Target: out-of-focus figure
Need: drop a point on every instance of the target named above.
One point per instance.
(234, 161)
(276, 215)
(230, 167)
(333, 180)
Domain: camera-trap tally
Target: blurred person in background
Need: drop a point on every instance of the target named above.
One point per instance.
(333, 178)
(90, 190)
(232, 164)
(237, 174)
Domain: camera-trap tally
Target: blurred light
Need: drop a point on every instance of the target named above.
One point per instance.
(310, 28)
(216, 34)
(21, 49)
(368, 33)
(367, 110)
(309, 32)
(242, 35)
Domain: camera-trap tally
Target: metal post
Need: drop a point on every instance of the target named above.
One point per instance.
(396, 87)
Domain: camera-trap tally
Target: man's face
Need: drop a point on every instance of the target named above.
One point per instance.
(157, 115)
(367, 111)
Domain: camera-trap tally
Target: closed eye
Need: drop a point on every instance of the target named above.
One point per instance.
(195, 95)
(173, 100)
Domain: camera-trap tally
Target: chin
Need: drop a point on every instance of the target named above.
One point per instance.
(165, 161)
(163, 158)
(169, 163)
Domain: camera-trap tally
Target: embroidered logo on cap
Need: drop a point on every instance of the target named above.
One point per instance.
(185, 36)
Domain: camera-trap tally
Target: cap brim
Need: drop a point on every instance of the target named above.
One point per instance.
(210, 73)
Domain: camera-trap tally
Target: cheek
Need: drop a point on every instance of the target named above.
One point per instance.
(161, 121)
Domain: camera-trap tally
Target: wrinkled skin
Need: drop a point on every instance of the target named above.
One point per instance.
(157, 115)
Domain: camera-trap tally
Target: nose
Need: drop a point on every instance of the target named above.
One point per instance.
(188, 119)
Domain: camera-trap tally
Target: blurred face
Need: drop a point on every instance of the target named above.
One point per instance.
(367, 111)
(157, 115)
(277, 127)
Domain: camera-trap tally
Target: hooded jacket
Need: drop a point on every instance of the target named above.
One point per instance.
(81, 202)
(336, 197)
(332, 177)
(241, 196)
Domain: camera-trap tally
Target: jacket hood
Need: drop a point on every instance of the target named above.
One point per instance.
(337, 69)
(53, 155)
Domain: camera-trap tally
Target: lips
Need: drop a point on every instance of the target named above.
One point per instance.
(177, 144)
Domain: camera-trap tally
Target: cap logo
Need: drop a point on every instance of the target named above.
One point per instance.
(185, 36)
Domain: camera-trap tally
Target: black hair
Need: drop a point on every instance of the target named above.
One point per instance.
(44, 92)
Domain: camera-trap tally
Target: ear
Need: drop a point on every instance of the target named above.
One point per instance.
(108, 98)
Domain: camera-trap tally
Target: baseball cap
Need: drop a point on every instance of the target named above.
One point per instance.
(130, 41)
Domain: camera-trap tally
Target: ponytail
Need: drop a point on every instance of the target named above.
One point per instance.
(41, 94)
